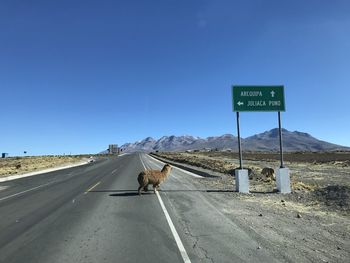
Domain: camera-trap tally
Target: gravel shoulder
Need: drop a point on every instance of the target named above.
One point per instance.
(309, 225)
(16, 167)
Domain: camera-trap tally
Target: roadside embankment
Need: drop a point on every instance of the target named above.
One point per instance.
(17, 167)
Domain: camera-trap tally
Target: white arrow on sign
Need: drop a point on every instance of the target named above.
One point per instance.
(240, 103)
(272, 94)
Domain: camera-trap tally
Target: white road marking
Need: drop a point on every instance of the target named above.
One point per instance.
(143, 164)
(161, 165)
(114, 171)
(178, 241)
(182, 170)
(31, 189)
(181, 247)
(3, 187)
(13, 177)
(92, 187)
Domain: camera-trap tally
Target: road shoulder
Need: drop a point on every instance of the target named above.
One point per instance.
(277, 225)
(60, 167)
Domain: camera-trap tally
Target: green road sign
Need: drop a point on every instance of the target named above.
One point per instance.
(258, 98)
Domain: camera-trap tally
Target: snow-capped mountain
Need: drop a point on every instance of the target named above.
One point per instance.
(266, 141)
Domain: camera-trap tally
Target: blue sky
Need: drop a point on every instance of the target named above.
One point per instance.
(78, 75)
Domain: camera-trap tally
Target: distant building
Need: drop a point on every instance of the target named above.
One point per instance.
(4, 155)
(113, 149)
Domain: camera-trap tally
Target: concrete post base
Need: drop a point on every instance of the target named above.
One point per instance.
(242, 181)
(283, 180)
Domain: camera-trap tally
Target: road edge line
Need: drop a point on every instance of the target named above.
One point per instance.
(178, 241)
(176, 236)
(44, 171)
(28, 190)
(180, 169)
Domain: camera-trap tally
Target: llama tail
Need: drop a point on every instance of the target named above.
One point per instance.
(142, 179)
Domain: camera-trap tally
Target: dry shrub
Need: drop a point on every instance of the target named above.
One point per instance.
(300, 186)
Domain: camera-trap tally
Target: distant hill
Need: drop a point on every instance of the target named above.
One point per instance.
(292, 141)
(266, 141)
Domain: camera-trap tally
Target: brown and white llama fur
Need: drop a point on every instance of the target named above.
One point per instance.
(268, 173)
(153, 177)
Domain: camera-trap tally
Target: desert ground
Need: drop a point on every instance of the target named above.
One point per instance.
(21, 165)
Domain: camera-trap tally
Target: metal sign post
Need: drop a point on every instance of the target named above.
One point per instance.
(239, 143)
(241, 175)
(260, 98)
(280, 135)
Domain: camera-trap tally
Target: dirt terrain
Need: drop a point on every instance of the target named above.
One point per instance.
(295, 231)
(21, 165)
(319, 180)
(314, 220)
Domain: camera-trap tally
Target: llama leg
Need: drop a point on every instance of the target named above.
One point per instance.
(154, 188)
(139, 190)
(145, 188)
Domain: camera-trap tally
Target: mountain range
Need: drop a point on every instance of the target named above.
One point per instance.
(266, 141)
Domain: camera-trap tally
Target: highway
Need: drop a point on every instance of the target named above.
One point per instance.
(92, 213)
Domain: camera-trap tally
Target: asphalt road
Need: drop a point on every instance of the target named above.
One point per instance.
(93, 213)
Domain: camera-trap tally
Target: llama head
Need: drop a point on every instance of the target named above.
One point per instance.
(167, 168)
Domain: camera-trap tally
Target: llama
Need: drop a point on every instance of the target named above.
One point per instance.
(269, 173)
(153, 177)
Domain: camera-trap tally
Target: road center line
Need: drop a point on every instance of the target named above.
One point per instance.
(92, 187)
(178, 241)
